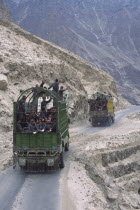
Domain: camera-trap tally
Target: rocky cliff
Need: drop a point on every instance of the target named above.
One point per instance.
(105, 33)
(25, 60)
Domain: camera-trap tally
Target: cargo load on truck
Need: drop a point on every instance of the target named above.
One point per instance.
(40, 130)
(101, 109)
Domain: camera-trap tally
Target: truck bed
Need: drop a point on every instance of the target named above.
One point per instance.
(39, 140)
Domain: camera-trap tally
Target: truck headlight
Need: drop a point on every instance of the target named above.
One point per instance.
(50, 162)
(22, 161)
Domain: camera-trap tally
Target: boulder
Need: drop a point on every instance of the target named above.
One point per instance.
(3, 82)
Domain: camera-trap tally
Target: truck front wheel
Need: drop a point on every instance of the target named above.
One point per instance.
(61, 165)
(113, 119)
(93, 123)
(66, 147)
(109, 121)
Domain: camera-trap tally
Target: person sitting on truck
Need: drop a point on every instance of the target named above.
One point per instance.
(40, 126)
(34, 116)
(53, 110)
(92, 107)
(43, 122)
(32, 127)
(26, 120)
(104, 107)
(53, 114)
(53, 118)
(49, 125)
(44, 103)
(55, 86)
(19, 126)
(49, 116)
(96, 106)
(98, 98)
(42, 115)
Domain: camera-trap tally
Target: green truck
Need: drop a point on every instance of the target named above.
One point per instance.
(40, 150)
(101, 109)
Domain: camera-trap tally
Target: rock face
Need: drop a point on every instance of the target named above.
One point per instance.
(105, 33)
(26, 60)
(4, 13)
(113, 168)
(3, 82)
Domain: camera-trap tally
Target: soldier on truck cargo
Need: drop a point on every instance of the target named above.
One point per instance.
(19, 127)
(32, 127)
(50, 126)
(34, 116)
(53, 114)
(40, 126)
(26, 120)
(43, 122)
(55, 86)
(42, 115)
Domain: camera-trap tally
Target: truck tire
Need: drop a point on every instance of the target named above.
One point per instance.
(61, 165)
(66, 147)
(23, 168)
(113, 120)
(93, 123)
(110, 121)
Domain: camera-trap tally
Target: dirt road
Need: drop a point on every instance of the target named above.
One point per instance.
(21, 191)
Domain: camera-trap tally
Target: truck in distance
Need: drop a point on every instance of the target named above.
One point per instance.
(101, 109)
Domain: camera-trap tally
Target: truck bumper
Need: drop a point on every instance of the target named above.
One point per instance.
(100, 120)
(39, 164)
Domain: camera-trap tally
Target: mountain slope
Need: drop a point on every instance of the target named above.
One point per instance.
(105, 33)
(25, 60)
(20, 47)
(4, 13)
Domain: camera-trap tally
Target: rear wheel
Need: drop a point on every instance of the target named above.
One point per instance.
(93, 122)
(66, 147)
(23, 168)
(61, 165)
(109, 121)
(113, 119)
